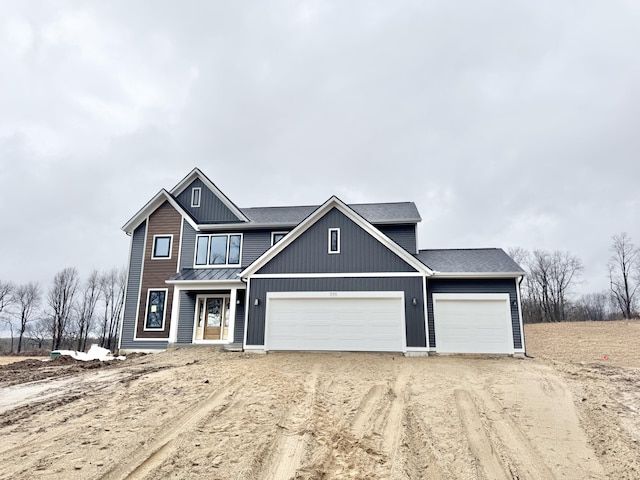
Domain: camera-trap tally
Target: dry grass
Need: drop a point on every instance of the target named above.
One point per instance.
(611, 343)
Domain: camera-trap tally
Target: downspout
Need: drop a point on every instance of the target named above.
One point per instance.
(524, 342)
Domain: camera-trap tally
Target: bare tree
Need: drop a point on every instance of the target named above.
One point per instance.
(6, 294)
(60, 299)
(86, 309)
(39, 331)
(112, 288)
(27, 299)
(624, 266)
(592, 307)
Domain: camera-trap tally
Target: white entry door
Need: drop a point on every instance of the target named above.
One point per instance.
(473, 323)
(337, 321)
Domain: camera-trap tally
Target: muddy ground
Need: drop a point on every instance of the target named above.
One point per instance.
(196, 413)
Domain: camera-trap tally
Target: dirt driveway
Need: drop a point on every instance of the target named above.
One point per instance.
(197, 413)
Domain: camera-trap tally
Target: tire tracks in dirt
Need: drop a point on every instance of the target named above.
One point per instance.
(148, 458)
(288, 451)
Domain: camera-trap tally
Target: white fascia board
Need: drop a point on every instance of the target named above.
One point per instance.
(197, 173)
(151, 207)
(477, 274)
(334, 202)
(208, 227)
(206, 284)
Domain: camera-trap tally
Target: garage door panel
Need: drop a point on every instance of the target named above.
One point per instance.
(347, 324)
(473, 325)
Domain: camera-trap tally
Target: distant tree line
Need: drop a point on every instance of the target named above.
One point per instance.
(548, 289)
(69, 314)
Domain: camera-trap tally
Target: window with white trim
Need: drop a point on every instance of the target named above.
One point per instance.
(162, 246)
(218, 250)
(196, 193)
(277, 236)
(334, 240)
(156, 306)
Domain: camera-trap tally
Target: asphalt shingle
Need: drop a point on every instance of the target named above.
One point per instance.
(471, 260)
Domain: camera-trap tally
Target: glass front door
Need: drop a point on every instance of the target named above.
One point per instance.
(213, 318)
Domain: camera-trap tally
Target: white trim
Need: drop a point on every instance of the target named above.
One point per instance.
(206, 284)
(338, 275)
(153, 246)
(415, 229)
(335, 202)
(246, 314)
(195, 204)
(232, 314)
(175, 314)
(338, 294)
(151, 206)
(273, 234)
(180, 246)
(144, 253)
(164, 309)
(477, 274)
(426, 310)
(197, 173)
(470, 296)
(218, 265)
(126, 289)
(523, 349)
(331, 252)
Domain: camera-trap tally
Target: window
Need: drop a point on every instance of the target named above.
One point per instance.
(156, 303)
(218, 250)
(162, 246)
(195, 196)
(277, 236)
(334, 240)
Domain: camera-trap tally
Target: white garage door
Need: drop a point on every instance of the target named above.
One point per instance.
(342, 321)
(472, 323)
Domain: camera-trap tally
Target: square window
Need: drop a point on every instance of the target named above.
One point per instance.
(195, 196)
(162, 246)
(155, 310)
(277, 236)
(334, 240)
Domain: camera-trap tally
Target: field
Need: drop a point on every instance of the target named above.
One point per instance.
(570, 412)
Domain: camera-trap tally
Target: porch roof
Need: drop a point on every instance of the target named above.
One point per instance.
(206, 275)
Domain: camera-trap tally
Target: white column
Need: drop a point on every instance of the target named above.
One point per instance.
(232, 313)
(175, 313)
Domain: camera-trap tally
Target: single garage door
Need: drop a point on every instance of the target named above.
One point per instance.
(342, 321)
(473, 323)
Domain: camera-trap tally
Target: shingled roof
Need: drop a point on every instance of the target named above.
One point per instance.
(469, 260)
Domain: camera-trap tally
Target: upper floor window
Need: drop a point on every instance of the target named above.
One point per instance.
(277, 236)
(162, 246)
(334, 240)
(218, 250)
(195, 196)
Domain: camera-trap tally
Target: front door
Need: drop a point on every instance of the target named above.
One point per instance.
(213, 318)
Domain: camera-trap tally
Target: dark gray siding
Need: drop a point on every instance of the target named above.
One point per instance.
(187, 253)
(186, 317)
(254, 244)
(359, 251)
(238, 332)
(403, 235)
(493, 285)
(133, 289)
(211, 209)
(412, 287)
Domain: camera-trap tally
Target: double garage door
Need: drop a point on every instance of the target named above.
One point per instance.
(339, 321)
(473, 323)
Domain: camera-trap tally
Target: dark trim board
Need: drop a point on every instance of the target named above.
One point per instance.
(488, 285)
(412, 287)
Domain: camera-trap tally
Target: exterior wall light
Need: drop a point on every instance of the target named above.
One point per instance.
(256, 302)
(414, 301)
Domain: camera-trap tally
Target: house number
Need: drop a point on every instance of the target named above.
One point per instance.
(333, 294)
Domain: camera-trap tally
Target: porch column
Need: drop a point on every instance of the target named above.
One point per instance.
(232, 312)
(175, 313)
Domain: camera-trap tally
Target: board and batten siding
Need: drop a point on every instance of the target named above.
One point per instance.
(211, 209)
(403, 235)
(488, 285)
(359, 251)
(133, 287)
(412, 287)
(254, 244)
(164, 221)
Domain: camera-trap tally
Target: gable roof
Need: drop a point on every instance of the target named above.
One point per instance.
(197, 173)
(376, 213)
(151, 206)
(470, 262)
(333, 202)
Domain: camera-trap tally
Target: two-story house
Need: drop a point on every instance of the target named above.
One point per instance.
(324, 277)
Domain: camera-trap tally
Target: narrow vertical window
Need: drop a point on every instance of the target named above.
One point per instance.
(195, 197)
(334, 240)
(202, 250)
(155, 309)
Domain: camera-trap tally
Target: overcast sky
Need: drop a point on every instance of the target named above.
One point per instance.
(508, 123)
